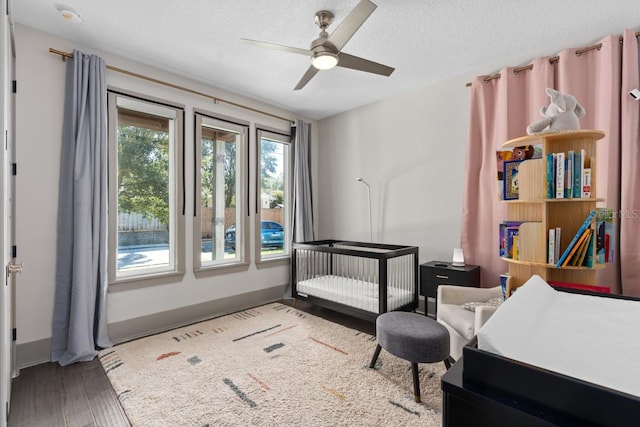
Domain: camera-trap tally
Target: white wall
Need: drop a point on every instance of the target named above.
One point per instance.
(40, 103)
(411, 150)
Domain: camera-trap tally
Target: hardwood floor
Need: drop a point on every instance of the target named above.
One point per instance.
(75, 395)
(81, 394)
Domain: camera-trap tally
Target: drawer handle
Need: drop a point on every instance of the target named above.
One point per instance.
(441, 276)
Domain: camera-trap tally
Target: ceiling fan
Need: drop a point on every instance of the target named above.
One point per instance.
(326, 50)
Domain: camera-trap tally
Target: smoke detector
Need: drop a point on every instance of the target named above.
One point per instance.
(68, 14)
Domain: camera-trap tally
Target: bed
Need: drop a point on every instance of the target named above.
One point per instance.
(356, 278)
(550, 357)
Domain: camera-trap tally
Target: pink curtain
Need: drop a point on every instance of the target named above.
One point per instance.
(500, 110)
(594, 78)
(629, 218)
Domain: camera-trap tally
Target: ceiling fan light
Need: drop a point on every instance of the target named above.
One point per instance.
(324, 60)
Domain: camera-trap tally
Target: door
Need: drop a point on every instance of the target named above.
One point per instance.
(7, 172)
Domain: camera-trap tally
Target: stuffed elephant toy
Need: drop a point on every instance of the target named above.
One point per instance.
(562, 114)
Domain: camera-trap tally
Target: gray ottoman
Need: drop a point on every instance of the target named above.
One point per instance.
(412, 337)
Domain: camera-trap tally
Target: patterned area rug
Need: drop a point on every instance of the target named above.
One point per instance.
(271, 365)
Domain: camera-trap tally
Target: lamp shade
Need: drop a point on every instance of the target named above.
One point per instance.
(458, 258)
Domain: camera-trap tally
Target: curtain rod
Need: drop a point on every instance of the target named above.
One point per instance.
(552, 60)
(215, 99)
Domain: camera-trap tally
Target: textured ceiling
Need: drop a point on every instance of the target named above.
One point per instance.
(425, 40)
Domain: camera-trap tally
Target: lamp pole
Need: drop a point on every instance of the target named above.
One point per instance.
(369, 200)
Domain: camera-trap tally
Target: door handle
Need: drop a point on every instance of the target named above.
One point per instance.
(441, 276)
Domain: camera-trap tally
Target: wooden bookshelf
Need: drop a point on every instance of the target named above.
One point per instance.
(540, 213)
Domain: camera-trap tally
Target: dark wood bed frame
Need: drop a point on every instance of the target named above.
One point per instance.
(486, 389)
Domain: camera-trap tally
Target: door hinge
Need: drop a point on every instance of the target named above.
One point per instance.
(14, 86)
(14, 334)
(14, 251)
(14, 169)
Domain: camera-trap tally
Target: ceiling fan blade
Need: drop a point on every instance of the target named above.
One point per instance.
(351, 23)
(356, 63)
(311, 71)
(277, 47)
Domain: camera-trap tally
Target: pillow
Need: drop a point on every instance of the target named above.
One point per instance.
(471, 306)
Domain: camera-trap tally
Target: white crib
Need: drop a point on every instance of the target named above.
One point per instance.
(360, 279)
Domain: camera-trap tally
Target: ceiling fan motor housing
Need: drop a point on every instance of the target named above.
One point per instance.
(323, 19)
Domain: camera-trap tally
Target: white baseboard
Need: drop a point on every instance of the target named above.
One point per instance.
(36, 352)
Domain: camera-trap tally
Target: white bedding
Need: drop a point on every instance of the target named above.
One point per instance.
(355, 293)
(595, 339)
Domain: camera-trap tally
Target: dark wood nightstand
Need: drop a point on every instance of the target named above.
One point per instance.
(436, 273)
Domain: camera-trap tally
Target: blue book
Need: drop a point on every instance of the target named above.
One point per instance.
(585, 224)
(577, 174)
(568, 182)
(551, 176)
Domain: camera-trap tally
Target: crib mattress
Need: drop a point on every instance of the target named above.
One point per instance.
(355, 293)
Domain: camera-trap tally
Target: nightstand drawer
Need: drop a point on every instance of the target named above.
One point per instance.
(442, 276)
(436, 273)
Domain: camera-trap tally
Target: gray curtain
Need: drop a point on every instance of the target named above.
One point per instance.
(79, 317)
(302, 200)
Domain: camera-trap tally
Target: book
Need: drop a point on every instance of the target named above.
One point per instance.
(584, 249)
(576, 246)
(581, 248)
(503, 244)
(551, 254)
(511, 242)
(605, 235)
(510, 190)
(560, 175)
(577, 236)
(586, 183)
(558, 241)
(577, 174)
(551, 176)
(568, 182)
(517, 153)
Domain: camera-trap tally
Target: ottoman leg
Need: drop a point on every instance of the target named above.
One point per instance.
(416, 382)
(375, 356)
(448, 362)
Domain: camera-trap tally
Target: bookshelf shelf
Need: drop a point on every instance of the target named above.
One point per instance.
(518, 201)
(550, 266)
(538, 213)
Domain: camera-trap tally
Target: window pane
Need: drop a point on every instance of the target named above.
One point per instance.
(144, 205)
(220, 239)
(219, 228)
(274, 203)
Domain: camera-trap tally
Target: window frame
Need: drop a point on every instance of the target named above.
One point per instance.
(240, 127)
(285, 139)
(176, 268)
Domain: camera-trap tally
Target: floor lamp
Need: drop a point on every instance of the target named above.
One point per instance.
(369, 198)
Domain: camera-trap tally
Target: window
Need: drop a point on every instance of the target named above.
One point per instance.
(273, 230)
(220, 218)
(146, 237)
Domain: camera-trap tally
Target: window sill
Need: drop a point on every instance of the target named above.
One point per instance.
(274, 262)
(137, 282)
(220, 269)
